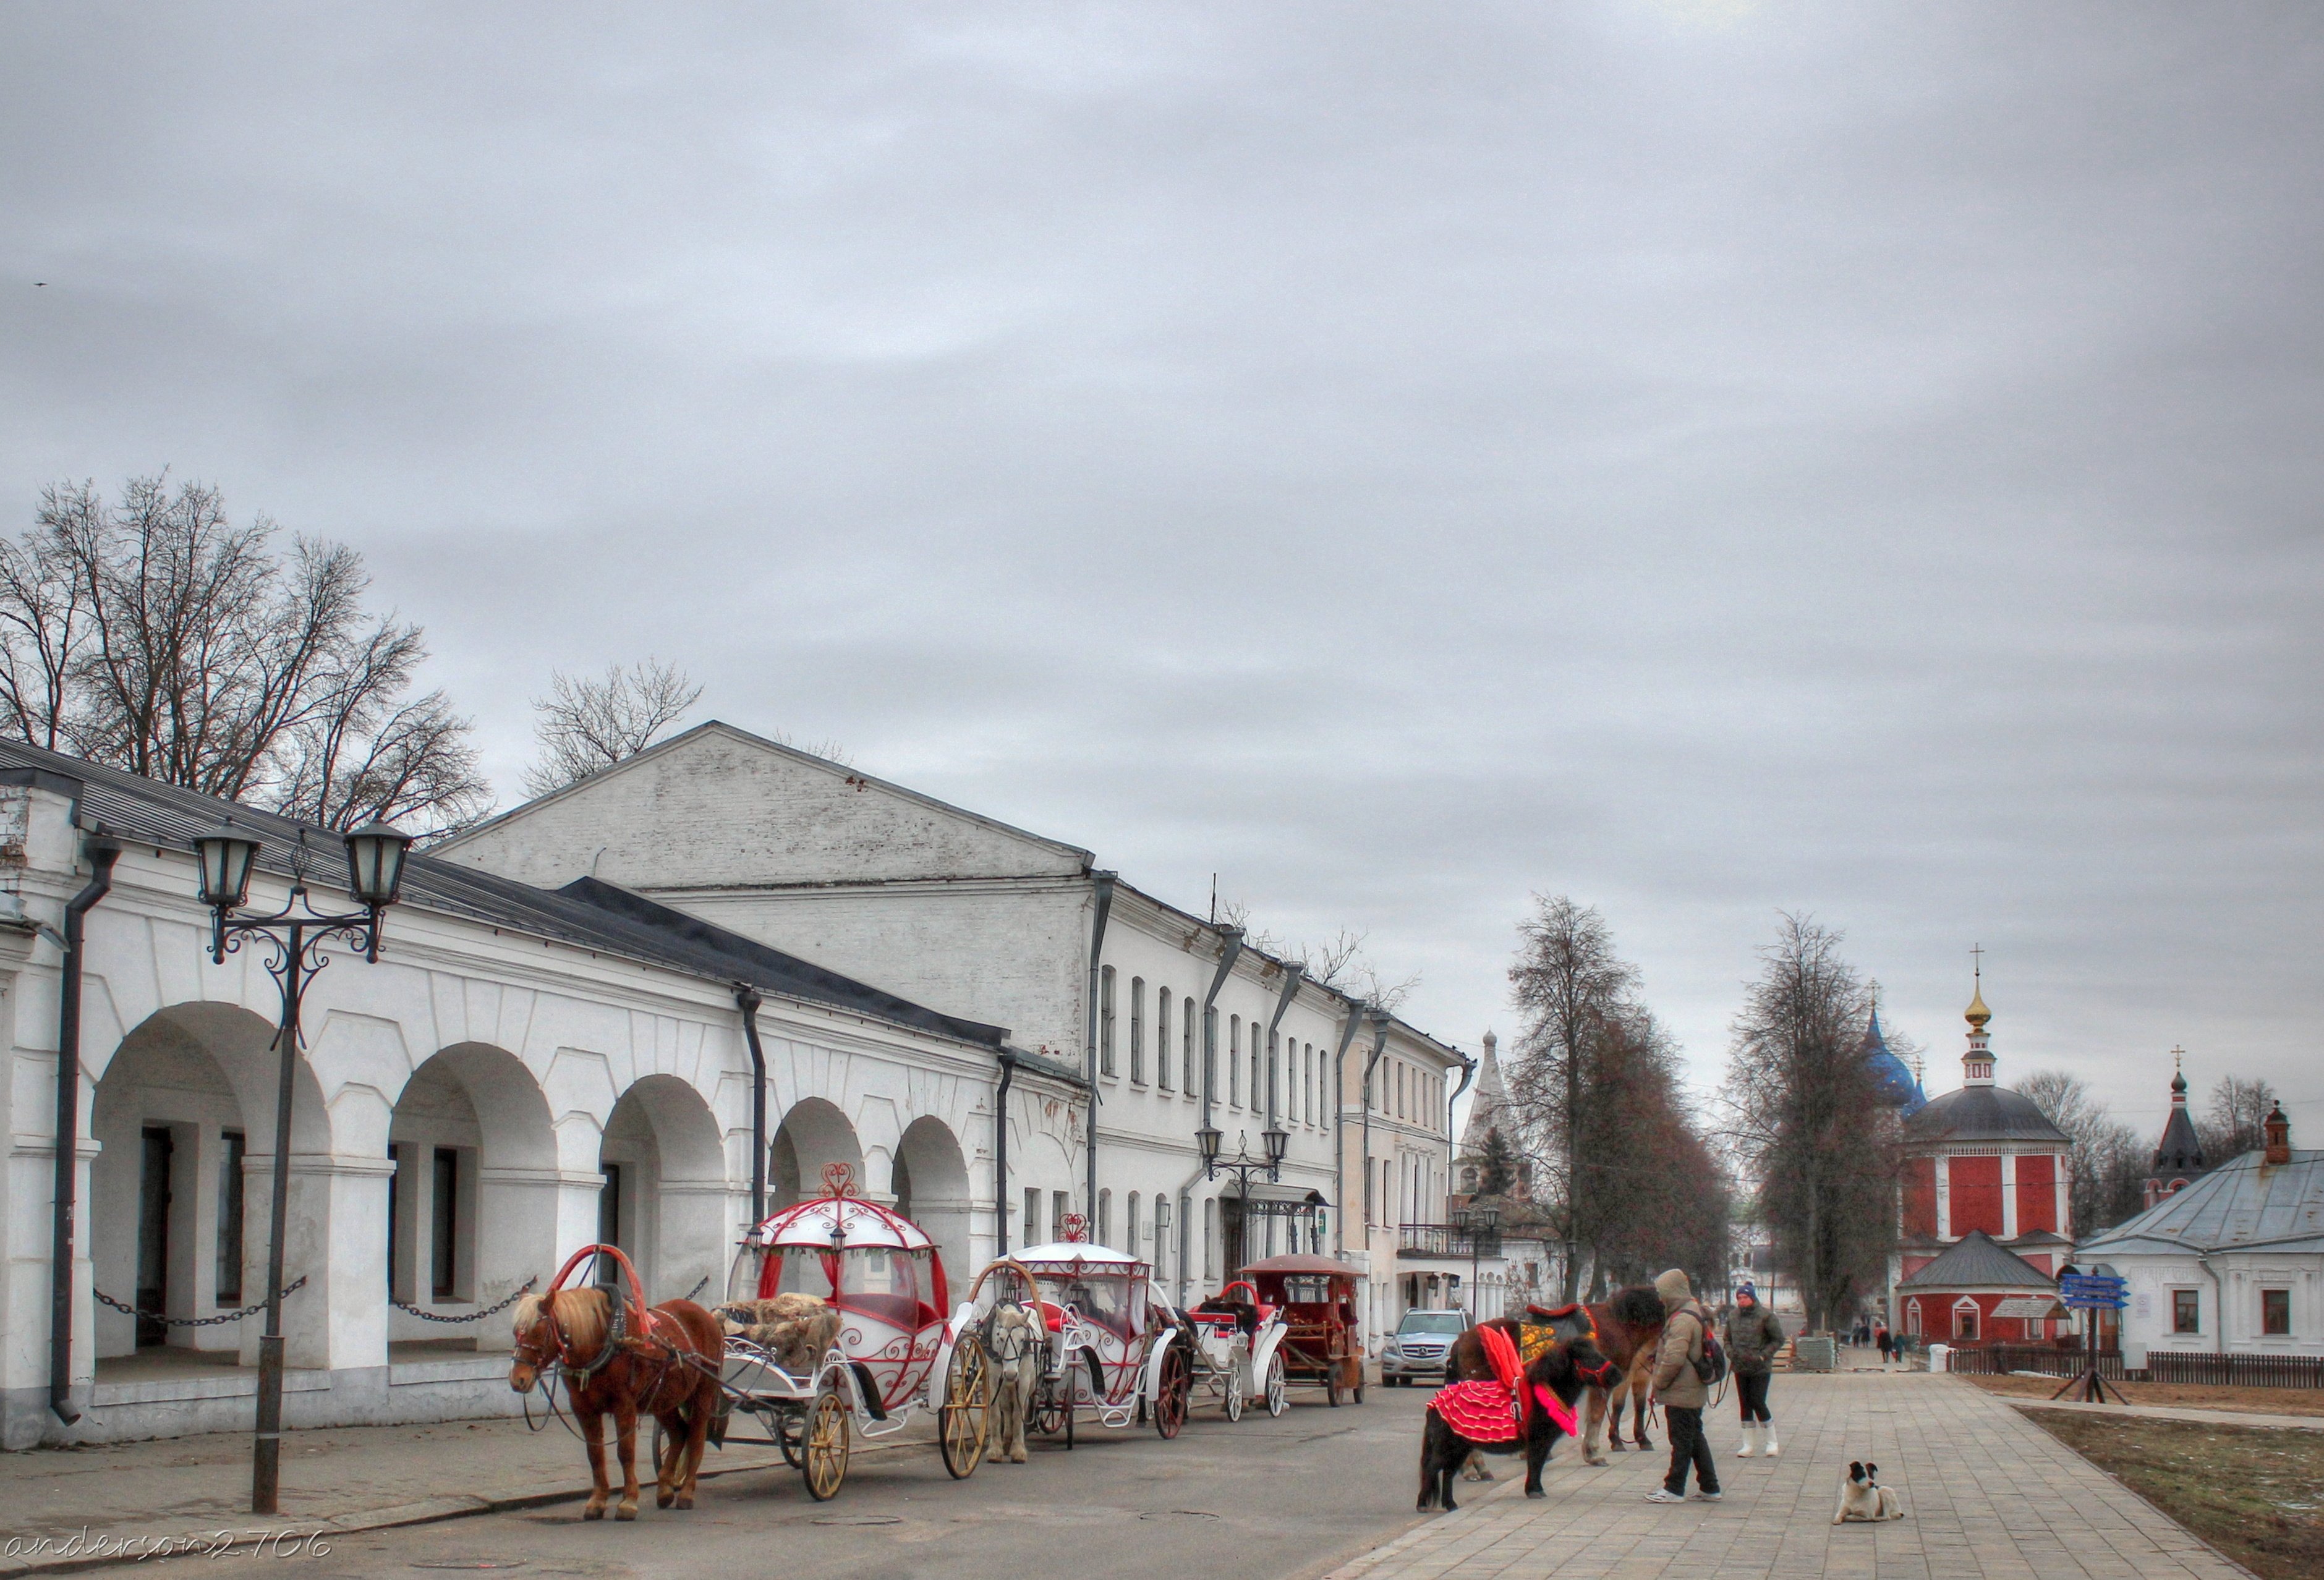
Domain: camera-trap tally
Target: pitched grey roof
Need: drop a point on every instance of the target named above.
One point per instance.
(2180, 1153)
(1981, 1113)
(1977, 1261)
(586, 914)
(2244, 1204)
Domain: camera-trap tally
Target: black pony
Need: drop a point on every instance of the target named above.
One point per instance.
(1569, 1365)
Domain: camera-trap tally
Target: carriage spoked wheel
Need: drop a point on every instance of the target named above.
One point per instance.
(790, 1429)
(1170, 1391)
(825, 1452)
(1234, 1381)
(964, 1417)
(1278, 1385)
(1331, 1383)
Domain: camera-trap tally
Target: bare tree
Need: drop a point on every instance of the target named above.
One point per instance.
(2108, 1161)
(587, 725)
(1808, 1120)
(155, 635)
(2232, 1120)
(1570, 985)
(1340, 962)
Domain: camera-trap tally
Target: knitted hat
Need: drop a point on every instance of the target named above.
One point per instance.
(1746, 1292)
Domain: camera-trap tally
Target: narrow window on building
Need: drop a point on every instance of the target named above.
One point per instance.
(1138, 1031)
(1162, 1247)
(1129, 1224)
(1273, 1059)
(1105, 1022)
(2276, 1313)
(232, 1150)
(1104, 1235)
(1061, 1208)
(444, 1226)
(1307, 1080)
(1032, 1216)
(1258, 1092)
(1210, 1237)
(1186, 1037)
(1162, 1039)
(2186, 1311)
(1234, 1061)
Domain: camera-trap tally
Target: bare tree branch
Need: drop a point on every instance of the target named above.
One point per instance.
(585, 726)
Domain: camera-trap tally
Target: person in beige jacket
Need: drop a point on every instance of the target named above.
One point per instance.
(1682, 1392)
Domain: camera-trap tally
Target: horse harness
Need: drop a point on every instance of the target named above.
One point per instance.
(617, 1336)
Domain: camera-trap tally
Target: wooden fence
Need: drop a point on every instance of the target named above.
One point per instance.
(2235, 1371)
(1998, 1359)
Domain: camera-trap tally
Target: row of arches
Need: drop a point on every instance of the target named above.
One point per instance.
(441, 1196)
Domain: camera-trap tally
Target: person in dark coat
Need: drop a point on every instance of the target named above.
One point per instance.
(1754, 1336)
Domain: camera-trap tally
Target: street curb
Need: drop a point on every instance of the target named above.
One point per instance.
(436, 1512)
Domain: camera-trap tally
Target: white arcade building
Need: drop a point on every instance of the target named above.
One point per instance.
(522, 1071)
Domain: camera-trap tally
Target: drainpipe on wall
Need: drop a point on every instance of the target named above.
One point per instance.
(1000, 1149)
(1468, 1077)
(2219, 1305)
(1104, 887)
(747, 1000)
(1230, 950)
(102, 852)
(1340, 1113)
(1292, 975)
(1378, 1018)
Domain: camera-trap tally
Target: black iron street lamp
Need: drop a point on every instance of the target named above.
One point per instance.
(297, 933)
(1483, 1224)
(1242, 1165)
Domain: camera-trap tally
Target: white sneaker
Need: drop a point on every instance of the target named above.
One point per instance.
(1663, 1495)
(1768, 1446)
(1708, 1497)
(1750, 1436)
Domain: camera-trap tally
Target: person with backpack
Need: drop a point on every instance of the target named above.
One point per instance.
(1688, 1364)
(1753, 1337)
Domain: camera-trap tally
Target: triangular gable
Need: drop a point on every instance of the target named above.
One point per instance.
(718, 807)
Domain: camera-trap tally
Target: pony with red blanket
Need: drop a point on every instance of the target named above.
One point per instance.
(617, 1357)
(1627, 1329)
(1525, 1405)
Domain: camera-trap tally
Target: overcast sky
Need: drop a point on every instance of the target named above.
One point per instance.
(1703, 458)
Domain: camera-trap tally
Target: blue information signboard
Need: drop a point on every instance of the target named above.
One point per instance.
(2091, 1292)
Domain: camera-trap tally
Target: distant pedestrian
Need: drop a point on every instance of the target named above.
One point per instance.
(1886, 1344)
(1753, 1337)
(1680, 1387)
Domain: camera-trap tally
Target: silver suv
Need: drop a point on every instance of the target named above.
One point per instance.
(1420, 1344)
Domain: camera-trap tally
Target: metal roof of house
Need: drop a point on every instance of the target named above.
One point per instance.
(1982, 1112)
(1979, 1262)
(585, 915)
(2244, 1204)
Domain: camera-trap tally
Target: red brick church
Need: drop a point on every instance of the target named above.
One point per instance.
(1986, 1225)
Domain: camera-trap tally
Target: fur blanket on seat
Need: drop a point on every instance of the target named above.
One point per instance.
(796, 1330)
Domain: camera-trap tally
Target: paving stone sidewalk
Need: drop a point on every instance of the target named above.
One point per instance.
(1988, 1496)
(343, 1479)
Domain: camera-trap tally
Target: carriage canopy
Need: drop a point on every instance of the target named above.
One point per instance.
(859, 1255)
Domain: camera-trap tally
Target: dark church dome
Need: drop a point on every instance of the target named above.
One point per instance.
(1983, 1113)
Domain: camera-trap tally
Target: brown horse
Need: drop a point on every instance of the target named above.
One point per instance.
(664, 1362)
(1625, 1328)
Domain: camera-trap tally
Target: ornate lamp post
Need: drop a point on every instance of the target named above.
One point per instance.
(1275, 1141)
(1483, 1224)
(296, 934)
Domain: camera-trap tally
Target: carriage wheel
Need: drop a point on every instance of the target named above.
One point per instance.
(790, 1429)
(1278, 1385)
(1331, 1383)
(1234, 1388)
(825, 1450)
(962, 1419)
(1170, 1392)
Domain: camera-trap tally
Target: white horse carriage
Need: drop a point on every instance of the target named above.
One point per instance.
(836, 1326)
(1237, 1350)
(1107, 1353)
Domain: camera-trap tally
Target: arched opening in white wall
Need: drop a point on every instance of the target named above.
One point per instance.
(930, 1183)
(178, 1197)
(814, 1134)
(664, 1198)
(472, 1206)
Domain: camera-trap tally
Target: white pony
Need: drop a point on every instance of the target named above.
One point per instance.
(1012, 1342)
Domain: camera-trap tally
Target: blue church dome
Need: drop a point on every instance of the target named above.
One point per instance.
(1894, 1081)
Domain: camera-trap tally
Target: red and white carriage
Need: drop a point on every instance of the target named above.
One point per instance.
(1109, 1354)
(898, 1351)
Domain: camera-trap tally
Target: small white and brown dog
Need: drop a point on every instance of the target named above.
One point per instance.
(1862, 1497)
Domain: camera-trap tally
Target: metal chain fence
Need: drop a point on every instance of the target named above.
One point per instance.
(126, 1309)
(514, 1295)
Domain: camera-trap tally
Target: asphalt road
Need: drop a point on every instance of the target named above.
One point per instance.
(1263, 1498)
